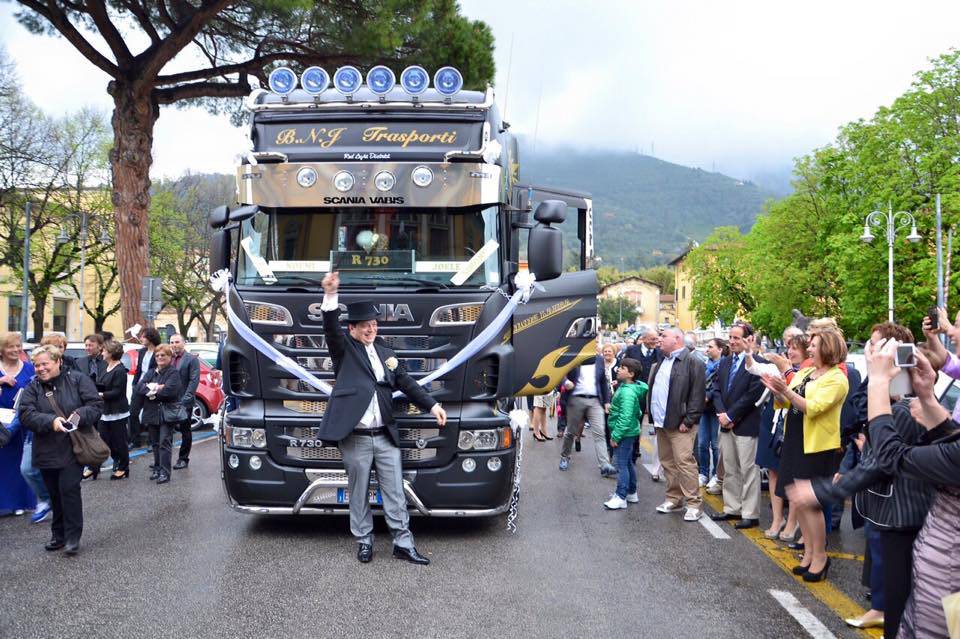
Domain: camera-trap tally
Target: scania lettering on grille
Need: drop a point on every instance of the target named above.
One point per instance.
(388, 312)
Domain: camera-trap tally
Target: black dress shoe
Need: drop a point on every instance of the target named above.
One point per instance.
(154, 475)
(72, 549)
(811, 576)
(365, 553)
(163, 478)
(411, 555)
(746, 523)
(800, 570)
(181, 463)
(54, 544)
(724, 517)
(797, 545)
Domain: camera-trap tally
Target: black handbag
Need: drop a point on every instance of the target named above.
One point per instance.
(171, 412)
(776, 435)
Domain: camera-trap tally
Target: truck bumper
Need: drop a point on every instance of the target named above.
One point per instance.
(447, 491)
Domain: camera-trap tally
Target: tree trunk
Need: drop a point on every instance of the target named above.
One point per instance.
(134, 116)
(212, 325)
(40, 304)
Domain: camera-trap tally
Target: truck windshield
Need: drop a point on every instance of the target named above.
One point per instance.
(371, 247)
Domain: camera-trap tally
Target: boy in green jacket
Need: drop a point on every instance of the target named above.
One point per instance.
(626, 409)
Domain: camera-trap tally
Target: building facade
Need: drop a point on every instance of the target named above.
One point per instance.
(686, 318)
(642, 294)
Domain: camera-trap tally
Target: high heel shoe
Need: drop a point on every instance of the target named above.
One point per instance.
(810, 576)
(120, 474)
(539, 437)
(88, 474)
(800, 570)
(791, 537)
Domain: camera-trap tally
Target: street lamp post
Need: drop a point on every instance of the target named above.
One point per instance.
(893, 222)
(63, 238)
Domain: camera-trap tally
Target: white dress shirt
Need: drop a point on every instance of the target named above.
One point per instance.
(587, 382)
(371, 417)
(661, 390)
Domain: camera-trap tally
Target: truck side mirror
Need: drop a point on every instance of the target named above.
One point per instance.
(545, 243)
(219, 250)
(219, 217)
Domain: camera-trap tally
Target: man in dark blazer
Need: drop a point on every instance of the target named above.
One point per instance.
(646, 351)
(188, 365)
(91, 364)
(359, 417)
(735, 394)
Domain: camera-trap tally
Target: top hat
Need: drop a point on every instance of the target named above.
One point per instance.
(361, 311)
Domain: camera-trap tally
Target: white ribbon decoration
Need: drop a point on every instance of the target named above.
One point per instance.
(525, 281)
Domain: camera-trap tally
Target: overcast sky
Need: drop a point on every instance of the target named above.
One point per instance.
(739, 86)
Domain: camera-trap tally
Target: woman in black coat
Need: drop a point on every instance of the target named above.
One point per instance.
(162, 391)
(52, 446)
(116, 409)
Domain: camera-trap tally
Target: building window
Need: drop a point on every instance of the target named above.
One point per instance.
(60, 316)
(683, 292)
(16, 307)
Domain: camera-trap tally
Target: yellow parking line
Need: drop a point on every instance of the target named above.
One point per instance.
(783, 557)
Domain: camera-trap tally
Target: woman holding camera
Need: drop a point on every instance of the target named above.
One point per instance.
(113, 423)
(162, 391)
(811, 438)
(56, 401)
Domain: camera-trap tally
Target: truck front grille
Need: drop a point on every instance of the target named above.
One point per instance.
(329, 453)
(396, 342)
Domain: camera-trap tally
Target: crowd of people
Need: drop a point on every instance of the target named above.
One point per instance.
(46, 395)
(724, 416)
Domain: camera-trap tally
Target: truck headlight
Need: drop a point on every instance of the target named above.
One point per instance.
(237, 437)
(487, 439)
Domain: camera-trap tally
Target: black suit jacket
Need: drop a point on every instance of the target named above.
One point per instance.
(356, 384)
(739, 401)
(82, 364)
(189, 369)
(635, 351)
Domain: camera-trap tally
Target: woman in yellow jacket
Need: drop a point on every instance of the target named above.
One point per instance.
(811, 437)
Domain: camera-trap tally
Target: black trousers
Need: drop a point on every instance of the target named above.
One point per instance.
(115, 434)
(136, 405)
(161, 439)
(897, 552)
(186, 441)
(63, 484)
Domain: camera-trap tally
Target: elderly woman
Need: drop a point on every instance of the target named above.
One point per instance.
(811, 437)
(46, 407)
(161, 390)
(15, 493)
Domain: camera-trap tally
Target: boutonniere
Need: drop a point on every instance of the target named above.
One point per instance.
(391, 363)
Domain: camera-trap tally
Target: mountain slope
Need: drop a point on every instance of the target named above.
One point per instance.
(646, 210)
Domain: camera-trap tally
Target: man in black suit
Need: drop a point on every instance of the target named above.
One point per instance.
(735, 396)
(359, 417)
(646, 351)
(188, 365)
(150, 339)
(91, 364)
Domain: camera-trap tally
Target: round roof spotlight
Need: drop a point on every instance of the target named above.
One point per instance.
(422, 176)
(347, 80)
(282, 81)
(384, 181)
(448, 81)
(306, 177)
(343, 181)
(380, 80)
(314, 80)
(414, 80)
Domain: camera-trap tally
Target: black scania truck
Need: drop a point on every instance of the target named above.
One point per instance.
(415, 202)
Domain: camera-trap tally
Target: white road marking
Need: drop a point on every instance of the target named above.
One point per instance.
(712, 527)
(804, 617)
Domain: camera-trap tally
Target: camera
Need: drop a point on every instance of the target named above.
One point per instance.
(906, 356)
(934, 316)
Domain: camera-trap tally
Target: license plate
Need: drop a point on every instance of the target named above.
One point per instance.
(373, 495)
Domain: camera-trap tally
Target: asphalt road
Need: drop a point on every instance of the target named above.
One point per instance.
(175, 561)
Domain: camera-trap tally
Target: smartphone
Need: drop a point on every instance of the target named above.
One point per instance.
(906, 356)
(934, 316)
(72, 422)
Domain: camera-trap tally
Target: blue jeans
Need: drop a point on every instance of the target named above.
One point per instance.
(626, 471)
(708, 441)
(878, 599)
(31, 475)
